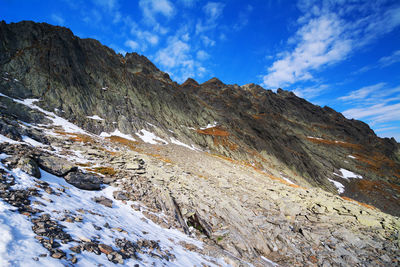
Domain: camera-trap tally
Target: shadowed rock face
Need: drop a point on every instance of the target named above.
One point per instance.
(81, 77)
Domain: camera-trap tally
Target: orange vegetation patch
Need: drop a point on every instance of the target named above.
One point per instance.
(258, 116)
(359, 203)
(159, 157)
(333, 142)
(220, 137)
(103, 170)
(376, 161)
(77, 137)
(214, 131)
(126, 142)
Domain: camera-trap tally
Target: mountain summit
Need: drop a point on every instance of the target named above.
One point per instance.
(264, 156)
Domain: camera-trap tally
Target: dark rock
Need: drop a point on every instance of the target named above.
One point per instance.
(55, 165)
(85, 181)
(29, 166)
(119, 195)
(105, 249)
(103, 201)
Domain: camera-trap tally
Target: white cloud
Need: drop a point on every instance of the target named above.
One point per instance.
(151, 8)
(212, 11)
(243, 19)
(132, 45)
(389, 60)
(378, 105)
(363, 92)
(176, 57)
(329, 31)
(311, 91)
(107, 4)
(376, 113)
(207, 41)
(58, 19)
(320, 42)
(188, 3)
(202, 55)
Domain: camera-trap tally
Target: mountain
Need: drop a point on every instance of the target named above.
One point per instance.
(253, 173)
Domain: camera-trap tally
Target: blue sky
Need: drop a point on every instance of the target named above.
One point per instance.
(340, 53)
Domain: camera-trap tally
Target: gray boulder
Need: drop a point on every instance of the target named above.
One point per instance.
(55, 165)
(85, 181)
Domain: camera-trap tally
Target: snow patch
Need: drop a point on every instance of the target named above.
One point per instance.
(339, 186)
(95, 117)
(317, 138)
(287, 180)
(150, 138)
(5, 139)
(209, 126)
(118, 133)
(179, 143)
(351, 156)
(31, 141)
(18, 245)
(346, 174)
(57, 120)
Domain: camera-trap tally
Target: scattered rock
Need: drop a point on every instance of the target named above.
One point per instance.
(105, 249)
(103, 201)
(119, 195)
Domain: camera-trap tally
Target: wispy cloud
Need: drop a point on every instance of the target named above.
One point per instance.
(310, 92)
(389, 60)
(363, 92)
(151, 8)
(376, 113)
(320, 42)
(378, 105)
(134, 46)
(202, 55)
(188, 3)
(178, 60)
(58, 19)
(243, 18)
(328, 33)
(213, 11)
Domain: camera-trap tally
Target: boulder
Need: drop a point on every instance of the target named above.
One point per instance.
(85, 181)
(55, 165)
(29, 166)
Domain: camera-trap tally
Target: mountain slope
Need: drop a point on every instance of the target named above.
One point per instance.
(81, 78)
(239, 167)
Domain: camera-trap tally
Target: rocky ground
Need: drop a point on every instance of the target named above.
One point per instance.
(79, 193)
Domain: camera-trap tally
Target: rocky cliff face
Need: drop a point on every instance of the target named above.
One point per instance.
(251, 172)
(80, 78)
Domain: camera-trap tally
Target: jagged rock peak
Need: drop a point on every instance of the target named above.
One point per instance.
(284, 93)
(215, 82)
(190, 83)
(136, 59)
(252, 87)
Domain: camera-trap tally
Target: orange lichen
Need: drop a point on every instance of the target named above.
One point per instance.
(258, 116)
(103, 170)
(359, 203)
(126, 142)
(77, 137)
(214, 131)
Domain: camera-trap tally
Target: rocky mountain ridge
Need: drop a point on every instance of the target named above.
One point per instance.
(250, 172)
